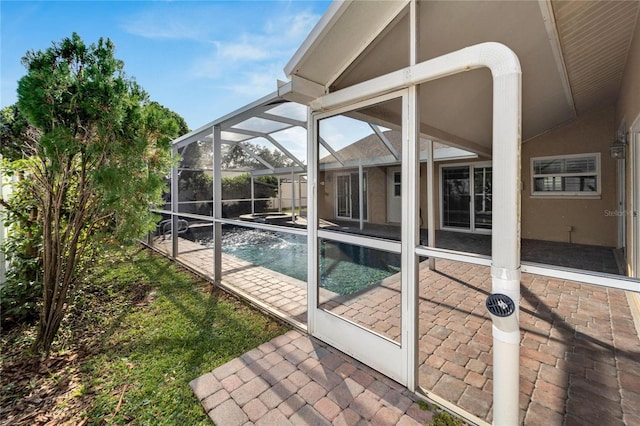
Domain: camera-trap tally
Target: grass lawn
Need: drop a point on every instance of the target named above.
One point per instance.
(139, 331)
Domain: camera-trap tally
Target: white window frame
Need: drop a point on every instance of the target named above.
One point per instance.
(567, 194)
(397, 185)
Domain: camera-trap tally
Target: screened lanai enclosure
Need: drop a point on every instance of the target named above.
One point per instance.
(241, 185)
(381, 196)
(259, 220)
(261, 213)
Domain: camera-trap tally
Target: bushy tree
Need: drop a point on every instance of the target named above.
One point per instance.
(235, 156)
(96, 165)
(21, 291)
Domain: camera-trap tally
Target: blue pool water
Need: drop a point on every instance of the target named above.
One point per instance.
(344, 268)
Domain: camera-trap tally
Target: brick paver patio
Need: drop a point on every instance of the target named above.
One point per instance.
(580, 352)
(296, 380)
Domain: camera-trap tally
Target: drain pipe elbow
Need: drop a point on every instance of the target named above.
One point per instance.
(498, 58)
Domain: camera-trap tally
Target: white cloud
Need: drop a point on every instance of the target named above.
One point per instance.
(256, 82)
(158, 24)
(248, 64)
(236, 52)
(241, 51)
(300, 26)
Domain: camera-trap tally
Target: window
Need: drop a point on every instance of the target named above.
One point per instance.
(397, 179)
(566, 175)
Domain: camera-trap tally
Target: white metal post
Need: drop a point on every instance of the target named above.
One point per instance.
(293, 198)
(431, 215)
(361, 194)
(299, 197)
(174, 205)
(505, 242)
(217, 204)
(312, 221)
(410, 176)
(253, 195)
(279, 195)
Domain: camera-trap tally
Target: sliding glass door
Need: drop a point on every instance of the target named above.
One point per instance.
(466, 198)
(348, 196)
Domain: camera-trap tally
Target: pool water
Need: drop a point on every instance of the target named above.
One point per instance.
(344, 268)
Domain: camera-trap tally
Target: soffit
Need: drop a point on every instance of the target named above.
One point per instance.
(336, 41)
(458, 109)
(595, 39)
(573, 55)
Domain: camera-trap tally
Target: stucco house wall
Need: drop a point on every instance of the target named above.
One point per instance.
(549, 218)
(543, 218)
(377, 178)
(326, 195)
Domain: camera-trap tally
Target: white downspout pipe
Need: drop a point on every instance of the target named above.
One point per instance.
(505, 270)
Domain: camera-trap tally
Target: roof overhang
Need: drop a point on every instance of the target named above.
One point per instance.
(572, 53)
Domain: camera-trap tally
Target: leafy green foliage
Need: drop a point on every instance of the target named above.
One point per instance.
(22, 289)
(94, 152)
(14, 131)
(424, 405)
(20, 293)
(236, 156)
(239, 188)
(443, 418)
(141, 328)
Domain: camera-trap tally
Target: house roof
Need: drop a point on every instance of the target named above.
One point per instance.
(572, 53)
(373, 151)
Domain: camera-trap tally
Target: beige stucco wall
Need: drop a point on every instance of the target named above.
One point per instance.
(377, 192)
(549, 219)
(326, 191)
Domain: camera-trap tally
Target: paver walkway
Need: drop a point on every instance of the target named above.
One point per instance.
(580, 351)
(296, 380)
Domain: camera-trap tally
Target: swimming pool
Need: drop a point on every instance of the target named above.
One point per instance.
(344, 268)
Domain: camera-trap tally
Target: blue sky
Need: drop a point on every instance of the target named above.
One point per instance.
(202, 59)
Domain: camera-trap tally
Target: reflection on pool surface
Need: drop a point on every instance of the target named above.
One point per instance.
(344, 268)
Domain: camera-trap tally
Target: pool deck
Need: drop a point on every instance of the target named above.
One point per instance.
(579, 357)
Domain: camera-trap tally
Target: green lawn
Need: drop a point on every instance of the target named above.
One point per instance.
(144, 329)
